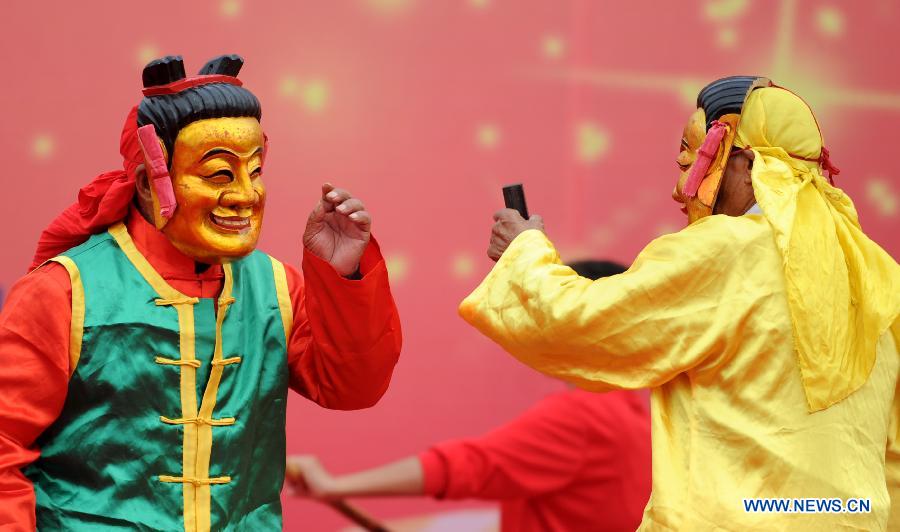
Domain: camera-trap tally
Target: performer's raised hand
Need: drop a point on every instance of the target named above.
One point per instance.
(338, 229)
(307, 477)
(508, 223)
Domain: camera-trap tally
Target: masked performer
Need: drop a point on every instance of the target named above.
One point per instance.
(149, 358)
(768, 330)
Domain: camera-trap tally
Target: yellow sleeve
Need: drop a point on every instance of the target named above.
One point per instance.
(892, 456)
(682, 299)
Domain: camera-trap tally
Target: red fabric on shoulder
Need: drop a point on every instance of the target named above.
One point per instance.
(101, 203)
(34, 377)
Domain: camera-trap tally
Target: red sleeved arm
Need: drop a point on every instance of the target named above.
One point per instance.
(541, 451)
(346, 337)
(34, 376)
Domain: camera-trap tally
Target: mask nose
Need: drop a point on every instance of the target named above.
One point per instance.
(241, 196)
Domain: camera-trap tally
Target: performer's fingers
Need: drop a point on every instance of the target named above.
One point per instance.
(507, 214)
(318, 212)
(350, 206)
(338, 196)
(498, 234)
(362, 219)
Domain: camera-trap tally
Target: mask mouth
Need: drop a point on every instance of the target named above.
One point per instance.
(682, 204)
(230, 224)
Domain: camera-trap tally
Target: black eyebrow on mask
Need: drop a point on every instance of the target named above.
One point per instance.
(217, 151)
(225, 151)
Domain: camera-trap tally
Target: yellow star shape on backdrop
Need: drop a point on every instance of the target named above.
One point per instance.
(145, 53)
(882, 195)
(463, 266)
(592, 142)
(389, 7)
(488, 136)
(553, 47)
(230, 8)
(830, 21)
(43, 146)
(397, 265)
(312, 95)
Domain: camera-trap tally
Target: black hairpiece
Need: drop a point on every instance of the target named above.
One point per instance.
(226, 65)
(169, 113)
(163, 71)
(724, 96)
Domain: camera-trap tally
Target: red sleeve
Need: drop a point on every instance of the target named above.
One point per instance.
(346, 336)
(541, 451)
(34, 377)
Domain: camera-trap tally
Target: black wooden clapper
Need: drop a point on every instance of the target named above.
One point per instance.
(514, 198)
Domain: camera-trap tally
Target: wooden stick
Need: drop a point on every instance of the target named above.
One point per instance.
(358, 516)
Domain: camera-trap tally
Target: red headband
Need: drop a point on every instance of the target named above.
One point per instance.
(186, 83)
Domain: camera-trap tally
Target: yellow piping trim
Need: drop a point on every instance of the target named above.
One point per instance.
(196, 482)
(204, 435)
(227, 361)
(198, 421)
(177, 301)
(76, 327)
(284, 299)
(170, 362)
(188, 373)
(166, 292)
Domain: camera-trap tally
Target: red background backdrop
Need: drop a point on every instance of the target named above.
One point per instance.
(424, 109)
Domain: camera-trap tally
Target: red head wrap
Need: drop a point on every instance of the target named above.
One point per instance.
(101, 203)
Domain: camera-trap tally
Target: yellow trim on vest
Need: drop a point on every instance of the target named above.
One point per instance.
(196, 482)
(204, 435)
(170, 362)
(168, 294)
(284, 299)
(184, 300)
(227, 361)
(196, 514)
(199, 421)
(76, 327)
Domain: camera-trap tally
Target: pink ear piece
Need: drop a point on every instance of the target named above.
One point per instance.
(705, 157)
(157, 170)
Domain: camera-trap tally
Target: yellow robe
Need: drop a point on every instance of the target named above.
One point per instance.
(702, 317)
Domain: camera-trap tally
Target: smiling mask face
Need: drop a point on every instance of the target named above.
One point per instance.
(216, 174)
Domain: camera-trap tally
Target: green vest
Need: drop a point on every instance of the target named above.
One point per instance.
(175, 412)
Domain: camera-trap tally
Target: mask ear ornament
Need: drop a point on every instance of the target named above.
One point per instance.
(157, 172)
(705, 156)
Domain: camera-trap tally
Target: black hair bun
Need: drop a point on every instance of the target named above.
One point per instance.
(225, 65)
(724, 96)
(163, 71)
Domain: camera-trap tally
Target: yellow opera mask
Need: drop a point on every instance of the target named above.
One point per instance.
(698, 188)
(707, 142)
(216, 177)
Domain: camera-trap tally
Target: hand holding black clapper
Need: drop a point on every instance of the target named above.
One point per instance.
(514, 197)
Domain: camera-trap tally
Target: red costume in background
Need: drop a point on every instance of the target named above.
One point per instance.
(335, 357)
(576, 461)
